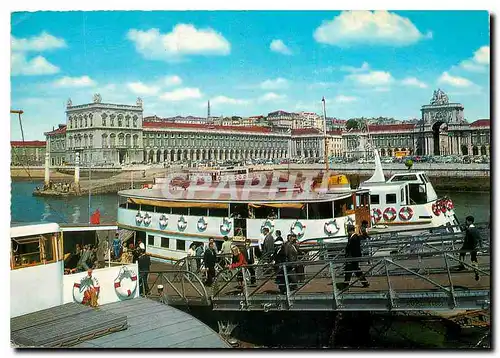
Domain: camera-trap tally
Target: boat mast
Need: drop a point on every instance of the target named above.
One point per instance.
(324, 133)
(19, 112)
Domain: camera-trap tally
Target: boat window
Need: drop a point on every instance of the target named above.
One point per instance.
(163, 210)
(165, 242)
(149, 208)
(180, 211)
(293, 213)
(321, 210)
(402, 195)
(404, 177)
(239, 210)
(180, 245)
(265, 212)
(374, 199)
(151, 240)
(133, 206)
(417, 194)
(198, 211)
(217, 212)
(32, 250)
(342, 206)
(390, 198)
(423, 178)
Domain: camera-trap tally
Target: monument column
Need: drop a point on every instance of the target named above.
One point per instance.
(47, 169)
(77, 169)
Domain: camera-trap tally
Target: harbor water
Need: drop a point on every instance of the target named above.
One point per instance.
(75, 210)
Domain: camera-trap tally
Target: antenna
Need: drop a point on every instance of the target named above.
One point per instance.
(208, 111)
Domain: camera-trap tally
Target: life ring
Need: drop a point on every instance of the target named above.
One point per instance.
(391, 212)
(405, 213)
(86, 284)
(331, 227)
(435, 209)
(163, 222)
(442, 205)
(449, 205)
(138, 218)
(126, 283)
(298, 229)
(182, 223)
(225, 227)
(147, 219)
(267, 224)
(202, 224)
(377, 215)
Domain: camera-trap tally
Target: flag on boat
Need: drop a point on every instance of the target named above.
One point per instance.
(95, 218)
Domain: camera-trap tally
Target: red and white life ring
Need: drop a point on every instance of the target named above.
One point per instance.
(449, 205)
(436, 209)
(85, 284)
(126, 283)
(377, 215)
(442, 205)
(389, 214)
(405, 213)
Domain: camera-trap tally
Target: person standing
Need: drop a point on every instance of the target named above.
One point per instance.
(267, 245)
(209, 259)
(353, 250)
(199, 254)
(191, 258)
(238, 260)
(117, 245)
(144, 263)
(471, 243)
(250, 258)
(226, 249)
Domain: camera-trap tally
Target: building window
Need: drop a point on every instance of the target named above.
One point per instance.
(165, 242)
(180, 245)
(390, 198)
(151, 240)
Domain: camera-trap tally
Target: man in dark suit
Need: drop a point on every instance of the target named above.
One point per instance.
(209, 259)
(472, 241)
(249, 254)
(353, 250)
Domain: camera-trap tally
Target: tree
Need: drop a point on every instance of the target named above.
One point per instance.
(352, 124)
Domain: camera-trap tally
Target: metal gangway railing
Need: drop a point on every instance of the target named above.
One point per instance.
(406, 272)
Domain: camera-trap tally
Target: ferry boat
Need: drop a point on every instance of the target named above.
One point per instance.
(407, 201)
(170, 222)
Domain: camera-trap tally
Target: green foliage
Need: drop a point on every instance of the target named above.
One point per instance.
(352, 124)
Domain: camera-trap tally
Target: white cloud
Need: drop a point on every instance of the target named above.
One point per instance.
(143, 89)
(368, 27)
(42, 42)
(455, 81)
(228, 100)
(181, 94)
(372, 78)
(345, 99)
(321, 85)
(38, 65)
(364, 67)
(271, 96)
(278, 83)
(172, 80)
(280, 47)
(479, 62)
(413, 82)
(83, 81)
(184, 40)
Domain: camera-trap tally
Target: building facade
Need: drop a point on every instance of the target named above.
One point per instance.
(334, 143)
(56, 145)
(28, 153)
(104, 133)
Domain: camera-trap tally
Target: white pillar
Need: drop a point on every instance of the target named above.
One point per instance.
(77, 168)
(47, 169)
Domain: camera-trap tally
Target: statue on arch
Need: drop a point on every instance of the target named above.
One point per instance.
(139, 102)
(97, 98)
(69, 103)
(439, 97)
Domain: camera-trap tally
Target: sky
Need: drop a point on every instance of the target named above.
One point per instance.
(365, 63)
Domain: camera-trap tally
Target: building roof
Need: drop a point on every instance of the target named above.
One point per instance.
(481, 123)
(302, 131)
(28, 143)
(334, 132)
(60, 130)
(388, 127)
(206, 127)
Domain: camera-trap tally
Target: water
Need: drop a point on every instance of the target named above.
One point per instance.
(28, 208)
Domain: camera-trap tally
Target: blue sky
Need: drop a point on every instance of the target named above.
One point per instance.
(247, 63)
